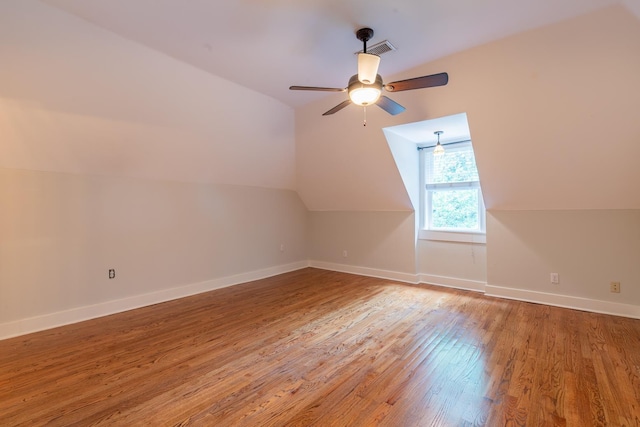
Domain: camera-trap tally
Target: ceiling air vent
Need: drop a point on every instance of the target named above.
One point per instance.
(379, 48)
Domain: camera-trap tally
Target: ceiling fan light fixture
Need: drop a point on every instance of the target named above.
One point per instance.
(364, 94)
(368, 67)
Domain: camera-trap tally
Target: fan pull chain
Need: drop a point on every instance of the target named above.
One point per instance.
(365, 116)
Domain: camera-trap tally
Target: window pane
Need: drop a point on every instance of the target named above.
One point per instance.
(455, 165)
(455, 209)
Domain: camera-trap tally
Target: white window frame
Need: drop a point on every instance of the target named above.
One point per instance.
(426, 231)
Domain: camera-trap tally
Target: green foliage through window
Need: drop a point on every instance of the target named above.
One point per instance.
(452, 166)
(455, 209)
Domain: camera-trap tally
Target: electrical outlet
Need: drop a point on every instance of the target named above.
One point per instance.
(554, 278)
(345, 253)
(112, 273)
(615, 287)
(281, 247)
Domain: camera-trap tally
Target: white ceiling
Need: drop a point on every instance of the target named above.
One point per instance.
(423, 132)
(268, 45)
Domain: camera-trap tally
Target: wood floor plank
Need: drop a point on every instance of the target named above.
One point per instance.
(321, 348)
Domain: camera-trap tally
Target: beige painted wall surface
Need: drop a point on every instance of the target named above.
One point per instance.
(77, 98)
(588, 249)
(453, 260)
(60, 233)
(379, 240)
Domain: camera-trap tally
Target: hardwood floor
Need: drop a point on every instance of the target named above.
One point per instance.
(322, 348)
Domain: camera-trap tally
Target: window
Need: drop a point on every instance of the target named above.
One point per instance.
(451, 196)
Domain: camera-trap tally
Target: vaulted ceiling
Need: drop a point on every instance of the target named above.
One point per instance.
(552, 114)
(198, 91)
(269, 45)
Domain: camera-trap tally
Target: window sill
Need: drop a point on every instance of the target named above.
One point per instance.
(453, 236)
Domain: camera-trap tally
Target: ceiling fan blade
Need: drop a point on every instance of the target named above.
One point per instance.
(338, 107)
(389, 105)
(433, 80)
(323, 89)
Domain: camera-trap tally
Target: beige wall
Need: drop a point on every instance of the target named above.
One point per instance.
(385, 243)
(376, 240)
(116, 156)
(588, 249)
(467, 261)
(62, 232)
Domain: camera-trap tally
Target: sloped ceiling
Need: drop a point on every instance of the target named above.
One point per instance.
(76, 98)
(553, 115)
(550, 90)
(269, 45)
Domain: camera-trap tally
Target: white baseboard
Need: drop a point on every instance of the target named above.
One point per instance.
(366, 271)
(449, 282)
(566, 301)
(79, 314)
(52, 320)
(576, 303)
(453, 282)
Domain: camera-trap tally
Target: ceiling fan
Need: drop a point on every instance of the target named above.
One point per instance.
(365, 88)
